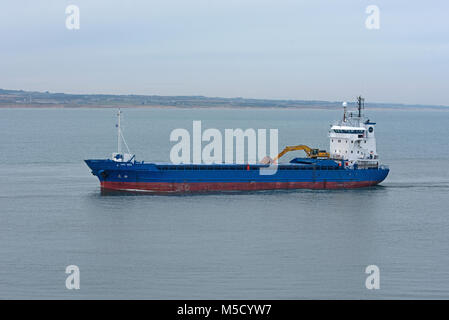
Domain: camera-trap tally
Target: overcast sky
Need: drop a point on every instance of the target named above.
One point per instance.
(247, 48)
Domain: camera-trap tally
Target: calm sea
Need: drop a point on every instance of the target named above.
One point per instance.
(294, 244)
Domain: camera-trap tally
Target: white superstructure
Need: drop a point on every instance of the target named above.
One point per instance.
(353, 138)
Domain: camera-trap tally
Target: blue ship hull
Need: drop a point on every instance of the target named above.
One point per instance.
(298, 174)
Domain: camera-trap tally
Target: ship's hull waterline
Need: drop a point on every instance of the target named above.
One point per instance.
(168, 187)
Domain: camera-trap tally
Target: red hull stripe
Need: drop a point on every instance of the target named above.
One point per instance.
(230, 186)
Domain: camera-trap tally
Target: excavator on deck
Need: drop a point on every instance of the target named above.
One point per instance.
(311, 153)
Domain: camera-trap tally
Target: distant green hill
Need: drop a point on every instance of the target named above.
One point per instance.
(20, 98)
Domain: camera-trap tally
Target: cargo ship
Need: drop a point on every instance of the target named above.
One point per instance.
(352, 162)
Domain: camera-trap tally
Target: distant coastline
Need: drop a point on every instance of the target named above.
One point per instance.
(35, 99)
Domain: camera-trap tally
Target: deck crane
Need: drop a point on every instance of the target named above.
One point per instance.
(311, 153)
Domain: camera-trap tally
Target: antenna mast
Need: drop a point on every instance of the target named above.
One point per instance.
(345, 104)
(360, 105)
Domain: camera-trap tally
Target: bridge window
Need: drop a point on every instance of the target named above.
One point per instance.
(348, 131)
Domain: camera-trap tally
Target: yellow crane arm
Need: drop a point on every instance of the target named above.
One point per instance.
(311, 153)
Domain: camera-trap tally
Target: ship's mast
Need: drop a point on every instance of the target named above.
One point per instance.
(119, 134)
(120, 137)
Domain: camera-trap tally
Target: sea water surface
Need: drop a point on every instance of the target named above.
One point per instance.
(261, 245)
